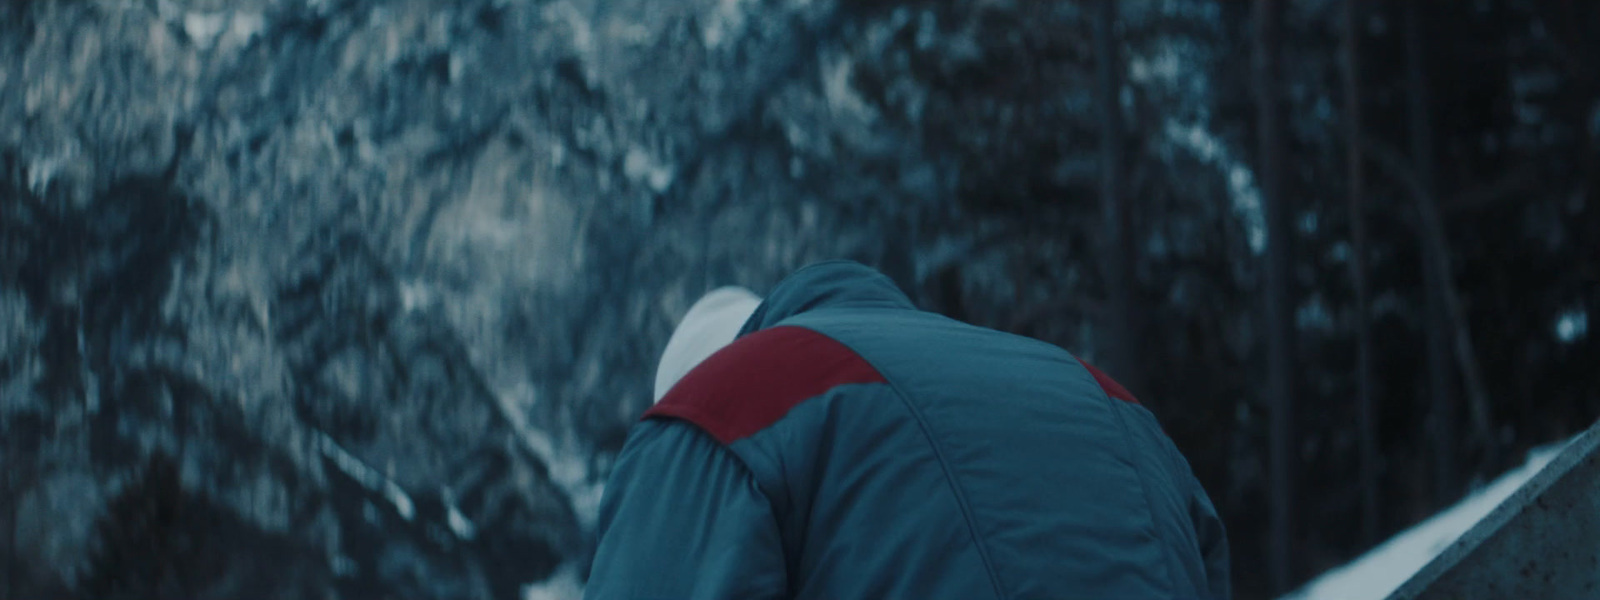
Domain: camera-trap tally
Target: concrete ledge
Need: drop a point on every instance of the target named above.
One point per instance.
(1542, 542)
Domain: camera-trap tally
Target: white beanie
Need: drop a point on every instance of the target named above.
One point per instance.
(713, 322)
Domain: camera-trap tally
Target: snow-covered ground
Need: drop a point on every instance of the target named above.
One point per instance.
(1380, 571)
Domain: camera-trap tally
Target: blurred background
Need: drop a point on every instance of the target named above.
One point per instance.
(358, 298)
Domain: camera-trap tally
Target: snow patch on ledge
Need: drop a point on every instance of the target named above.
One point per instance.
(1382, 570)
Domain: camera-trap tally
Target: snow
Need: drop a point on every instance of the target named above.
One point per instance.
(726, 20)
(416, 295)
(217, 29)
(398, 497)
(1382, 570)
(564, 585)
(44, 169)
(1247, 204)
(639, 165)
(1308, 222)
(1313, 315)
(202, 27)
(568, 468)
(576, 24)
(1166, 67)
(1572, 325)
(344, 566)
(836, 72)
(1339, 252)
(459, 524)
(1246, 199)
(369, 477)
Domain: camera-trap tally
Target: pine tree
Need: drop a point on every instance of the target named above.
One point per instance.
(150, 539)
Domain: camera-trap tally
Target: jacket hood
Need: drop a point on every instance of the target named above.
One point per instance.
(831, 284)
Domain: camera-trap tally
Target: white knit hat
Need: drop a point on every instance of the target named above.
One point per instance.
(713, 322)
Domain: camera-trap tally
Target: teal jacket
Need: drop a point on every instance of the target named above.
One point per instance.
(848, 446)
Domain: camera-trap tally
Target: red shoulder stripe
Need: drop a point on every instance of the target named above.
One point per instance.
(1112, 388)
(750, 384)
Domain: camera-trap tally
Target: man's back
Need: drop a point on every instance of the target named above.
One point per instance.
(900, 454)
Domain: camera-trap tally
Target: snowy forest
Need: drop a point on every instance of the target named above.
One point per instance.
(358, 299)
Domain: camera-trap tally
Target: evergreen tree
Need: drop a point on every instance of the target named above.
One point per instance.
(151, 540)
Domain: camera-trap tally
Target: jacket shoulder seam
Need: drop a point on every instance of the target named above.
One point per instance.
(754, 382)
(725, 447)
(949, 476)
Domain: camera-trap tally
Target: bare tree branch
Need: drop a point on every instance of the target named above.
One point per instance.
(1116, 244)
(1266, 57)
(1430, 225)
(1366, 418)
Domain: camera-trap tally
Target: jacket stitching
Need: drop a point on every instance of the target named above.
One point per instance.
(949, 473)
(1144, 486)
(696, 429)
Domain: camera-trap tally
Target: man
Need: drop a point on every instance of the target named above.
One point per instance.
(847, 445)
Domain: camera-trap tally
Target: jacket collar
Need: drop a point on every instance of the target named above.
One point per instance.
(831, 284)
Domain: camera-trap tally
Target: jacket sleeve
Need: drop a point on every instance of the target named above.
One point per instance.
(1210, 537)
(682, 517)
(1213, 543)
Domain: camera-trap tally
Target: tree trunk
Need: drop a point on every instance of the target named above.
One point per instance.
(15, 498)
(1441, 430)
(1280, 341)
(1449, 336)
(1366, 427)
(1121, 341)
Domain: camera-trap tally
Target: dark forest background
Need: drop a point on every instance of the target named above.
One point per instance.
(353, 299)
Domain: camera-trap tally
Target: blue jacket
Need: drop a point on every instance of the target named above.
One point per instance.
(847, 446)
